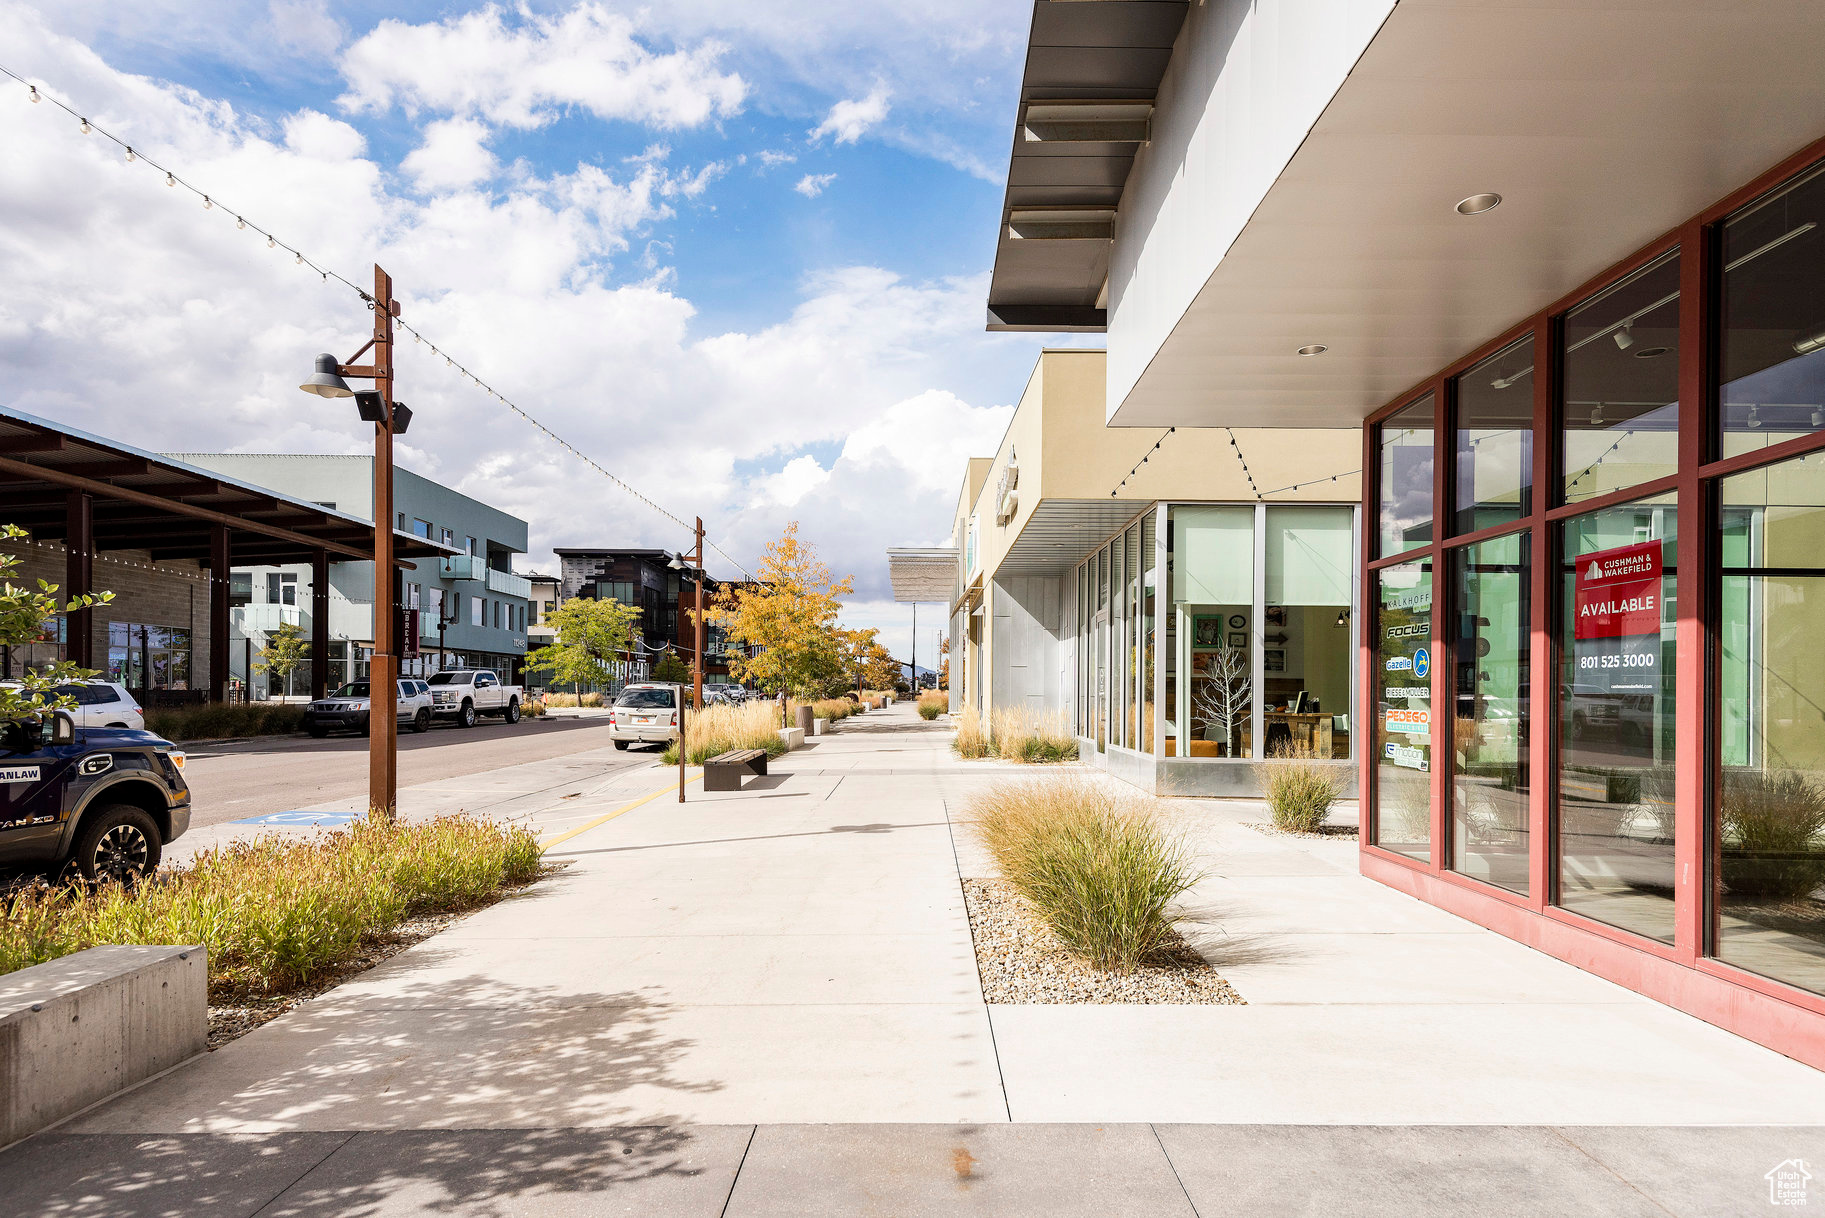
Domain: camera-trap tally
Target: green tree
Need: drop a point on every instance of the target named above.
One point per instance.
(592, 636)
(672, 670)
(285, 652)
(25, 618)
(790, 615)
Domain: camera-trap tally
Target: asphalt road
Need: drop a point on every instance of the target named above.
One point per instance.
(254, 777)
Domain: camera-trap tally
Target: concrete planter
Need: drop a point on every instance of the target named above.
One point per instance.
(793, 736)
(819, 726)
(79, 1029)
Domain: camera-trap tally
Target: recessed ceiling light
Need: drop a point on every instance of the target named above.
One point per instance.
(1314, 349)
(1651, 352)
(1476, 205)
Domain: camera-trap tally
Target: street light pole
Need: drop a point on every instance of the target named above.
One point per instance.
(389, 418)
(697, 652)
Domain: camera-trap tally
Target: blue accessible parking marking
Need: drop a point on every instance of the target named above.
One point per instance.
(301, 818)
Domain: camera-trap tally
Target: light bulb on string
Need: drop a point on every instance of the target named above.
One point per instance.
(35, 98)
(300, 259)
(239, 223)
(170, 180)
(207, 203)
(130, 157)
(270, 242)
(85, 126)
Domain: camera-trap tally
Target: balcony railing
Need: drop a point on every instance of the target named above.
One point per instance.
(508, 584)
(266, 618)
(463, 566)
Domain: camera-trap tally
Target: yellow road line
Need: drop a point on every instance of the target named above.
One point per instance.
(608, 816)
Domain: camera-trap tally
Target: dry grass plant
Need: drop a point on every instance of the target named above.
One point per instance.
(1773, 829)
(1094, 864)
(720, 727)
(972, 740)
(275, 912)
(932, 704)
(1033, 737)
(569, 700)
(1300, 789)
(225, 721)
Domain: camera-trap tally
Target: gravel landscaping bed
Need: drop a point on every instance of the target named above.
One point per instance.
(1021, 961)
(1336, 833)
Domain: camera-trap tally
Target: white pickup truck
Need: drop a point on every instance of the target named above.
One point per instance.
(466, 694)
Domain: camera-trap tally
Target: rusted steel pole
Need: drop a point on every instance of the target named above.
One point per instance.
(383, 670)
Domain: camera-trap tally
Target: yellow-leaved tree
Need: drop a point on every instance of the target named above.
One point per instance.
(790, 617)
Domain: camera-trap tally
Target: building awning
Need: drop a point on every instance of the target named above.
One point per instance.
(1062, 532)
(1086, 101)
(971, 600)
(141, 501)
(923, 574)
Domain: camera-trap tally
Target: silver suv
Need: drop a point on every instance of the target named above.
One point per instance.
(644, 714)
(100, 704)
(348, 708)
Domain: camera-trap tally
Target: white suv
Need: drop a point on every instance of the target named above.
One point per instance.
(644, 714)
(101, 704)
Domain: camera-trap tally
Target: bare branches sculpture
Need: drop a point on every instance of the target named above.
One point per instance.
(1222, 695)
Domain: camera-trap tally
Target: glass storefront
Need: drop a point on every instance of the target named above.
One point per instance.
(143, 656)
(1405, 478)
(1620, 351)
(1770, 809)
(1491, 615)
(1234, 648)
(1402, 660)
(1617, 582)
(1494, 440)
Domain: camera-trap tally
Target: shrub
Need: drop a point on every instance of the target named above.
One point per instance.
(971, 740)
(720, 727)
(556, 699)
(833, 709)
(1773, 827)
(1300, 790)
(932, 704)
(1030, 736)
(276, 913)
(1095, 865)
(225, 720)
(532, 708)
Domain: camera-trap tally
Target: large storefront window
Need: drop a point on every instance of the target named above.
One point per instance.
(1307, 658)
(1772, 345)
(1769, 874)
(1489, 717)
(1403, 709)
(1495, 440)
(1616, 715)
(1620, 350)
(1405, 509)
(1149, 620)
(1213, 599)
(148, 657)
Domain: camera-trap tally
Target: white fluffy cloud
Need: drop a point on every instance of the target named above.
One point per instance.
(812, 184)
(850, 119)
(454, 154)
(520, 73)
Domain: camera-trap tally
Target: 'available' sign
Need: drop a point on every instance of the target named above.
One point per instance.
(1617, 592)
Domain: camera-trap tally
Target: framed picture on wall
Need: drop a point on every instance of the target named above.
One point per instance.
(1276, 615)
(1207, 630)
(1238, 621)
(1238, 639)
(1273, 660)
(1203, 663)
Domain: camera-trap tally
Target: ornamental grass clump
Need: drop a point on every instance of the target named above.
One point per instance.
(932, 704)
(972, 741)
(1300, 789)
(834, 709)
(225, 721)
(720, 727)
(277, 913)
(1032, 737)
(1096, 866)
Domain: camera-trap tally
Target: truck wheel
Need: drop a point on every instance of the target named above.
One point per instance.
(513, 711)
(421, 722)
(620, 746)
(118, 842)
(467, 717)
(317, 731)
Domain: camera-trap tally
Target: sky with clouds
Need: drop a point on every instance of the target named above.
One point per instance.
(735, 252)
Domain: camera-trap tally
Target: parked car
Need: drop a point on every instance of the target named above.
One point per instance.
(100, 801)
(349, 708)
(645, 714)
(468, 693)
(100, 704)
(723, 691)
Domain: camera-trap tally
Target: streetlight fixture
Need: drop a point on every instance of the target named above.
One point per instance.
(678, 564)
(389, 418)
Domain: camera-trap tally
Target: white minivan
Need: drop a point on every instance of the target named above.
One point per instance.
(644, 714)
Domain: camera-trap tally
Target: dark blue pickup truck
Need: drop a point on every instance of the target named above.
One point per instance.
(101, 803)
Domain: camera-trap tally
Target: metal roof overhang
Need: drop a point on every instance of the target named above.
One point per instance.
(923, 574)
(1086, 52)
(1061, 532)
(142, 501)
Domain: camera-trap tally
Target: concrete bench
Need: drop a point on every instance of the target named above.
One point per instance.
(794, 737)
(79, 1029)
(723, 772)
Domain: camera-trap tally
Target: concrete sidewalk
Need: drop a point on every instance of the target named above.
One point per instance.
(797, 954)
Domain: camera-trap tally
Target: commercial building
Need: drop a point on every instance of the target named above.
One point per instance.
(1182, 598)
(1561, 265)
(170, 541)
(462, 608)
(664, 594)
